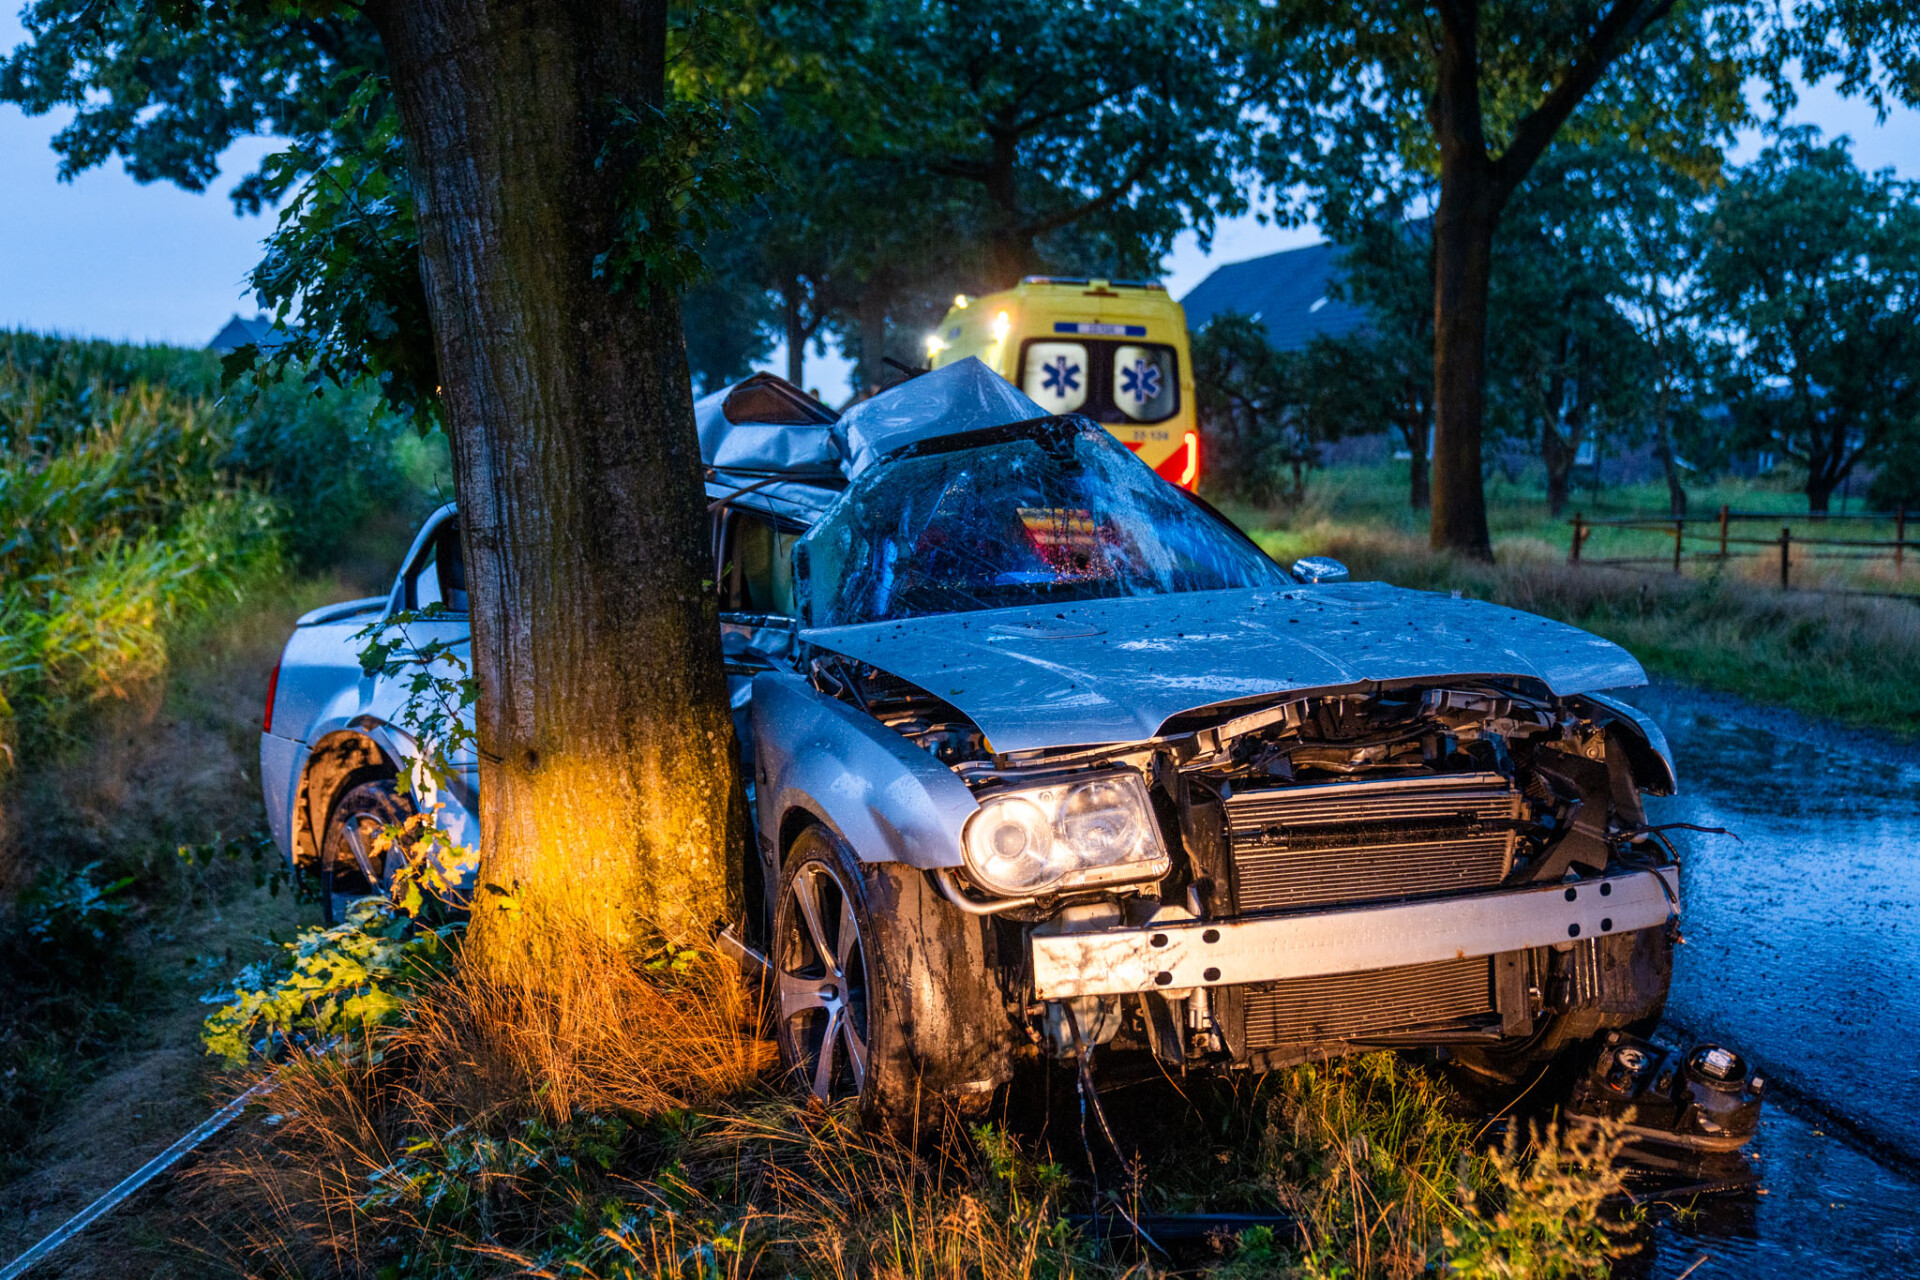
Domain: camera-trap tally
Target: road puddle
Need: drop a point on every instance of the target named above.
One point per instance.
(1803, 952)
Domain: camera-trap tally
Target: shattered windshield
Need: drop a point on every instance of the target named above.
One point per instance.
(1020, 520)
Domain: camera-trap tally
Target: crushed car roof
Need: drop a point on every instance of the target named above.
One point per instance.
(771, 447)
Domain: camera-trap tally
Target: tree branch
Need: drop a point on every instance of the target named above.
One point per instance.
(1617, 29)
(1073, 214)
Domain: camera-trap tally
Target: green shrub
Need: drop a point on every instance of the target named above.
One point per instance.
(135, 495)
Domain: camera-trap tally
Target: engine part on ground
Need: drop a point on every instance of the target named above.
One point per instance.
(1687, 1106)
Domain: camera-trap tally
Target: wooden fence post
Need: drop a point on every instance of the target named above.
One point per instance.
(1579, 536)
(1679, 531)
(1723, 531)
(1786, 552)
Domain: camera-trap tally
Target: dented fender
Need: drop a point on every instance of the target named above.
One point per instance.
(1647, 750)
(887, 799)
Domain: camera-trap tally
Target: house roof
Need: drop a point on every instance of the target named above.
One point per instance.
(239, 331)
(1286, 291)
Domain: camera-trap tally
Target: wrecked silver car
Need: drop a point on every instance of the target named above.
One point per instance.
(1047, 758)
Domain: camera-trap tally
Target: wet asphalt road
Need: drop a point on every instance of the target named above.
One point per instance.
(1802, 952)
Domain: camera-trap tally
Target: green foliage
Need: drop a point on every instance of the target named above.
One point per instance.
(115, 523)
(921, 150)
(1354, 105)
(1814, 268)
(1542, 1217)
(75, 923)
(342, 267)
(68, 981)
(167, 87)
(682, 169)
(345, 981)
(128, 506)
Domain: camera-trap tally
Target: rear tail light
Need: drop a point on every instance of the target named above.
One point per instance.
(273, 687)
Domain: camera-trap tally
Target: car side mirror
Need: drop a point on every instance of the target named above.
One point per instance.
(1319, 569)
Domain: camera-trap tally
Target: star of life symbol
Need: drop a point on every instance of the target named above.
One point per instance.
(1140, 380)
(1059, 376)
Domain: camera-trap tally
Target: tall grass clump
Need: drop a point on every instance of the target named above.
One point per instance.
(114, 525)
(135, 495)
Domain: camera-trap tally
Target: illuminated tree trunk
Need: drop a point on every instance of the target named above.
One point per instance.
(607, 756)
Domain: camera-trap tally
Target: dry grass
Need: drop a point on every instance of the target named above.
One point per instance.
(484, 1122)
(1845, 659)
(603, 1033)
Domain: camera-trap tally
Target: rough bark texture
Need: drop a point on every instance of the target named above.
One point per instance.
(1463, 262)
(796, 334)
(1419, 487)
(607, 752)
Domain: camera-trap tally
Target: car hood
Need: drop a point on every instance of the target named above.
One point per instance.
(1116, 670)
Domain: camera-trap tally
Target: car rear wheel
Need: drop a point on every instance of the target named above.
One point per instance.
(349, 867)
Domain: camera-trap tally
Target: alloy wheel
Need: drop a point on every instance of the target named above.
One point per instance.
(821, 971)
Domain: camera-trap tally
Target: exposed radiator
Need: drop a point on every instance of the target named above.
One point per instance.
(1355, 1006)
(1373, 841)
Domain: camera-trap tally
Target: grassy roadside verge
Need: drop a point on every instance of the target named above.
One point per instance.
(157, 804)
(1844, 659)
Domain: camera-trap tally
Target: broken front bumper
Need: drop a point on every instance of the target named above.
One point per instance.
(1175, 952)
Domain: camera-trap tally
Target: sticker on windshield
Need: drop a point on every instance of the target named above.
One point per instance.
(1055, 375)
(1143, 382)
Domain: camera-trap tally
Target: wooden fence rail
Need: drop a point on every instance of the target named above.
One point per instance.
(1719, 535)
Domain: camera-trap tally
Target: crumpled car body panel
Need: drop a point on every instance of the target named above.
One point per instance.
(1107, 671)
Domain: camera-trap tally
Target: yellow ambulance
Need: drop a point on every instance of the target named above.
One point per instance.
(1114, 350)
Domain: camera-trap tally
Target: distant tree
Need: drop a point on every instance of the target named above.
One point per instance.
(1248, 405)
(931, 148)
(1382, 374)
(1814, 268)
(1472, 92)
(1654, 218)
(1566, 366)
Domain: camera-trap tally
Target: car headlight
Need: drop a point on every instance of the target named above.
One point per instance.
(1072, 834)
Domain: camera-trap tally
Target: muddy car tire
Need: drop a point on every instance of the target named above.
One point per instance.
(349, 868)
(882, 990)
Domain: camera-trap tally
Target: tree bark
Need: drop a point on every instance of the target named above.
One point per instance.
(796, 334)
(608, 762)
(1462, 265)
(1463, 248)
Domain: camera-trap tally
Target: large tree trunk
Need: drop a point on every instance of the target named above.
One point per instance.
(607, 752)
(1462, 266)
(1463, 253)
